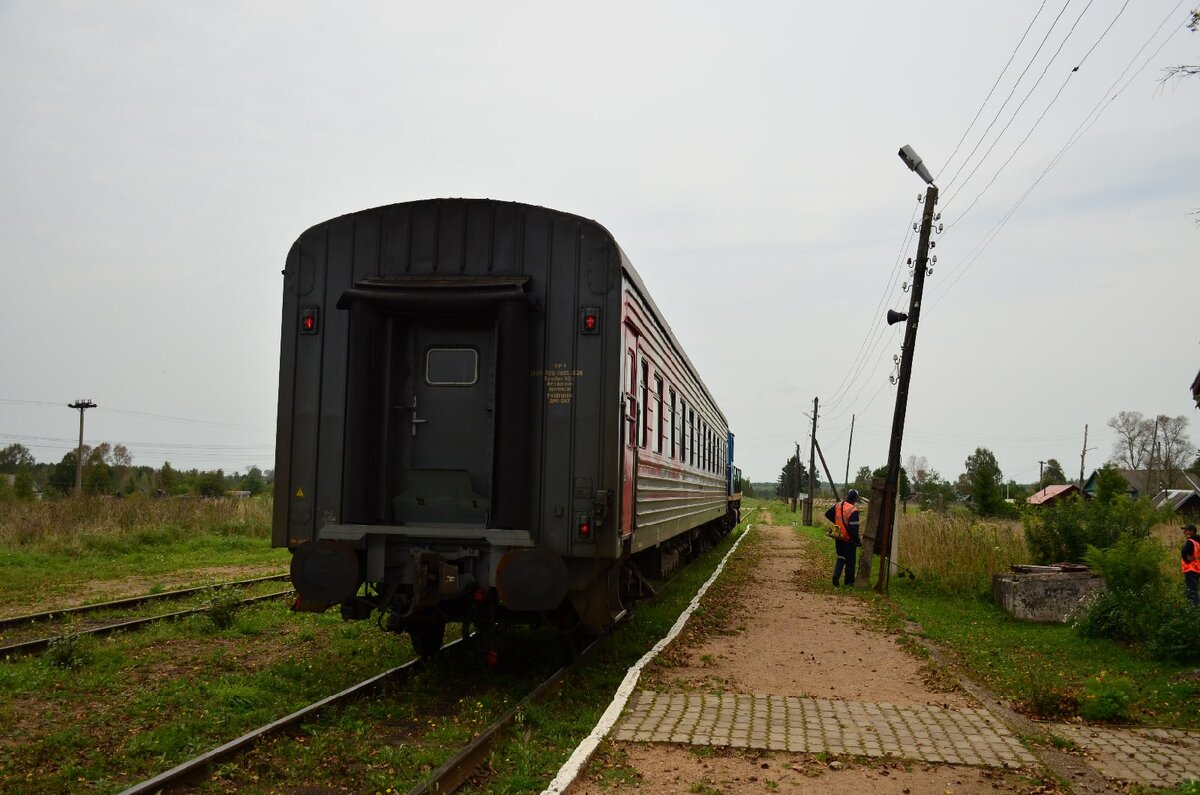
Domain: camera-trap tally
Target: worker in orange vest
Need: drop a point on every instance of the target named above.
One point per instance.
(845, 518)
(1190, 562)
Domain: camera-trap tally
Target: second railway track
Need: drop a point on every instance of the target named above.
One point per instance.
(117, 624)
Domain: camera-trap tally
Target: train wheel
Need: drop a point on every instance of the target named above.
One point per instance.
(427, 637)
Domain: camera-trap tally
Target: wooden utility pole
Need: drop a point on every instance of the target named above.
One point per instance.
(1082, 455)
(82, 405)
(849, 448)
(832, 485)
(796, 500)
(812, 464)
(883, 496)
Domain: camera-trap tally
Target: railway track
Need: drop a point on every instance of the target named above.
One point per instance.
(446, 778)
(133, 601)
(36, 645)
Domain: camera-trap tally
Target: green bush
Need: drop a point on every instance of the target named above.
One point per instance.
(1136, 600)
(1063, 532)
(1047, 698)
(1131, 565)
(1106, 699)
(69, 651)
(223, 606)
(1176, 639)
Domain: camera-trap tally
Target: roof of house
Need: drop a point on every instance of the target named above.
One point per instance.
(1138, 480)
(1174, 499)
(1051, 493)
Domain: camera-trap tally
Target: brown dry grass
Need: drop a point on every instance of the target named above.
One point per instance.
(61, 525)
(960, 552)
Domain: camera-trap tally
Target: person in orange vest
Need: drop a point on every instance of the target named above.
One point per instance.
(1190, 562)
(845, 518)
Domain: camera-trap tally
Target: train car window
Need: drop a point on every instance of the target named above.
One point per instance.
(691, 437)
(683, 431)
(645, 389)
(658, 425)
(451, 366)
(672, 423)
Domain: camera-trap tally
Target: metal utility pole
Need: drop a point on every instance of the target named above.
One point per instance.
(849, 447)
(1041, 468)
(883, 496)
(812, 464)
(82, 405)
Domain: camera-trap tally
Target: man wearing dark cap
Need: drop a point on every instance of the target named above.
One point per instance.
(845, 518)
(1190, 561)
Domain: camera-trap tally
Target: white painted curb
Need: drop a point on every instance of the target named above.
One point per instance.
(581, 755)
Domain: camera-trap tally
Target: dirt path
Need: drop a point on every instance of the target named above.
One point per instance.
(783, 639)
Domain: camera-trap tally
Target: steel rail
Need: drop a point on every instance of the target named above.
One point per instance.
(131, 601)
(451, 775)
(455, 771)
(41, 644)
(189, 768)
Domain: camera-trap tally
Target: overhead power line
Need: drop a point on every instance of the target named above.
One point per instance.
(999, 77)
(147, 415)
(837, 395)
(950, 199)
(976, 251)
(1011, 92)
(1039, 119)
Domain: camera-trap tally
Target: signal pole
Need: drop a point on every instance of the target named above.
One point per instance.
(883, 496)
(82, 405)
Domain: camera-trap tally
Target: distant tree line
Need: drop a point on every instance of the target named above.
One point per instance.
(1158, 445)
(109, 470)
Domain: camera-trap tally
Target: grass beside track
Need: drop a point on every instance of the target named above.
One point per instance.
(103, 713)
(1033, 666)
(60, 553)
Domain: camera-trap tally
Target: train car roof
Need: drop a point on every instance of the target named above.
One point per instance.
(626, 265)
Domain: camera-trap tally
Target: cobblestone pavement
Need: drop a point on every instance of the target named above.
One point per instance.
(818, 725)
(1158, 757)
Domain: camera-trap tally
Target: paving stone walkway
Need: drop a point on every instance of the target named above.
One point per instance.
(1157, 757)
(817, 725)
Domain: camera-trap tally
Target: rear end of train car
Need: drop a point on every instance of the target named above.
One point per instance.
(457, 419)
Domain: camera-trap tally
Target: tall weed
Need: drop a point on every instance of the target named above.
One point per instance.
(91, 524)
(957, 551)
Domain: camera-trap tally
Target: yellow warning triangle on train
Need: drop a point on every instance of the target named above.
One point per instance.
(299, 492)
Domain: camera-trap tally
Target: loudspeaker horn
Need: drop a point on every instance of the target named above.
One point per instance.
(894, 317)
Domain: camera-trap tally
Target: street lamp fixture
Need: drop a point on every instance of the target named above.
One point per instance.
(913, 161)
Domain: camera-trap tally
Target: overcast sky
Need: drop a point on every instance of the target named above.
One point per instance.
(160, 158)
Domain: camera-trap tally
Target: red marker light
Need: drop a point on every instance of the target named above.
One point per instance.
(308, 320)
(585, 529)
(589, 320)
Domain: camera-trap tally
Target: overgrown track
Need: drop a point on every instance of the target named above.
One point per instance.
(41, 644)
(185, 771)
(446, 778)
(133, 601)
(451, 775)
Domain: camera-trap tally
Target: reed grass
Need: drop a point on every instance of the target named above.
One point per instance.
(958, 552)
(96, 524)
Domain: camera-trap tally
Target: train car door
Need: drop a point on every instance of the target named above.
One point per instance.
(447, 401)
(629, 424)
